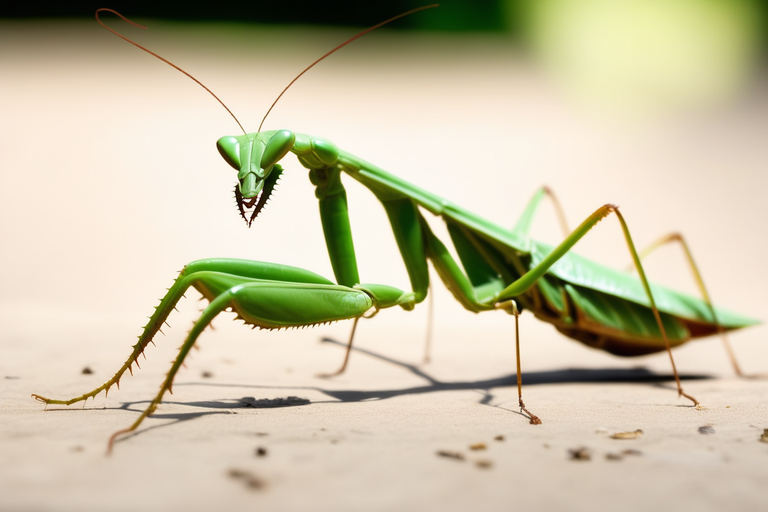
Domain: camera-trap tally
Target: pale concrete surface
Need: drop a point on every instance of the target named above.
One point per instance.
(111, 183)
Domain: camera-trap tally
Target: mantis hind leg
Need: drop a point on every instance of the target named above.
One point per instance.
(678, 237)
(534, 274)
(524, 223)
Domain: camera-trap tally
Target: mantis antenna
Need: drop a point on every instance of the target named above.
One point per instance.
(198, 82)
(345, 43)
(161, 58)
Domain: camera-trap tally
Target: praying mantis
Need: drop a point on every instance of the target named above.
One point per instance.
(497, 268)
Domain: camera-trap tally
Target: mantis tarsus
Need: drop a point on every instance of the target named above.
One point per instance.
(497, 268)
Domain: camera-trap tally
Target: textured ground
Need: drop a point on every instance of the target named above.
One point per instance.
(110, 183)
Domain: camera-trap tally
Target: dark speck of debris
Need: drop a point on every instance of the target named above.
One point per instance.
(450, 455)
(87, 371)
(581, 453)
(11, 377)
(484, 464)
(262, 434)
(264, 403)
(249, 479)
(498, 438)
(207, 375)
(764, 437)
(261, 451)
(477, 446)
(706, 429)
(618, 456)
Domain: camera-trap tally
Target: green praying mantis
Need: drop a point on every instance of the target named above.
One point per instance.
(497, 268)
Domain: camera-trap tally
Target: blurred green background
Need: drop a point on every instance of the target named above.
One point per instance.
(512, 16)
(626, 55)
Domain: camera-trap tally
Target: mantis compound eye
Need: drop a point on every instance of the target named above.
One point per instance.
(277, 147)
(229, 149)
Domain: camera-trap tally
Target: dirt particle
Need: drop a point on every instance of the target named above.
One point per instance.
(484, 463)
(249, 479)
(260, 451)
(764, 437)
(580, 453)
(498, 438)
(477, 446)
(87, 371)
(450, 455)
(613, 456)
(264, 403)
(206, 375)
(706, 429)
(627, 435)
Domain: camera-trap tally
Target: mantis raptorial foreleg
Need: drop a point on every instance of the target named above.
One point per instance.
(265, 295)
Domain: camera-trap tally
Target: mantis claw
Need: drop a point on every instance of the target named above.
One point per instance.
(39, 398)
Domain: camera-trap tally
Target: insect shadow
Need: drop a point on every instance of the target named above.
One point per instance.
(638, 375)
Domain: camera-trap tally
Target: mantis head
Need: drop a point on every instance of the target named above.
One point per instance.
(255, 156)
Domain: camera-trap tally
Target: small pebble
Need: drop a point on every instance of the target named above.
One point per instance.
(627, 435)
(764, 437)
(261, 451)
(477, 446)
(498, 438)
(207, 375)
(706, 429)
(87, 371)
